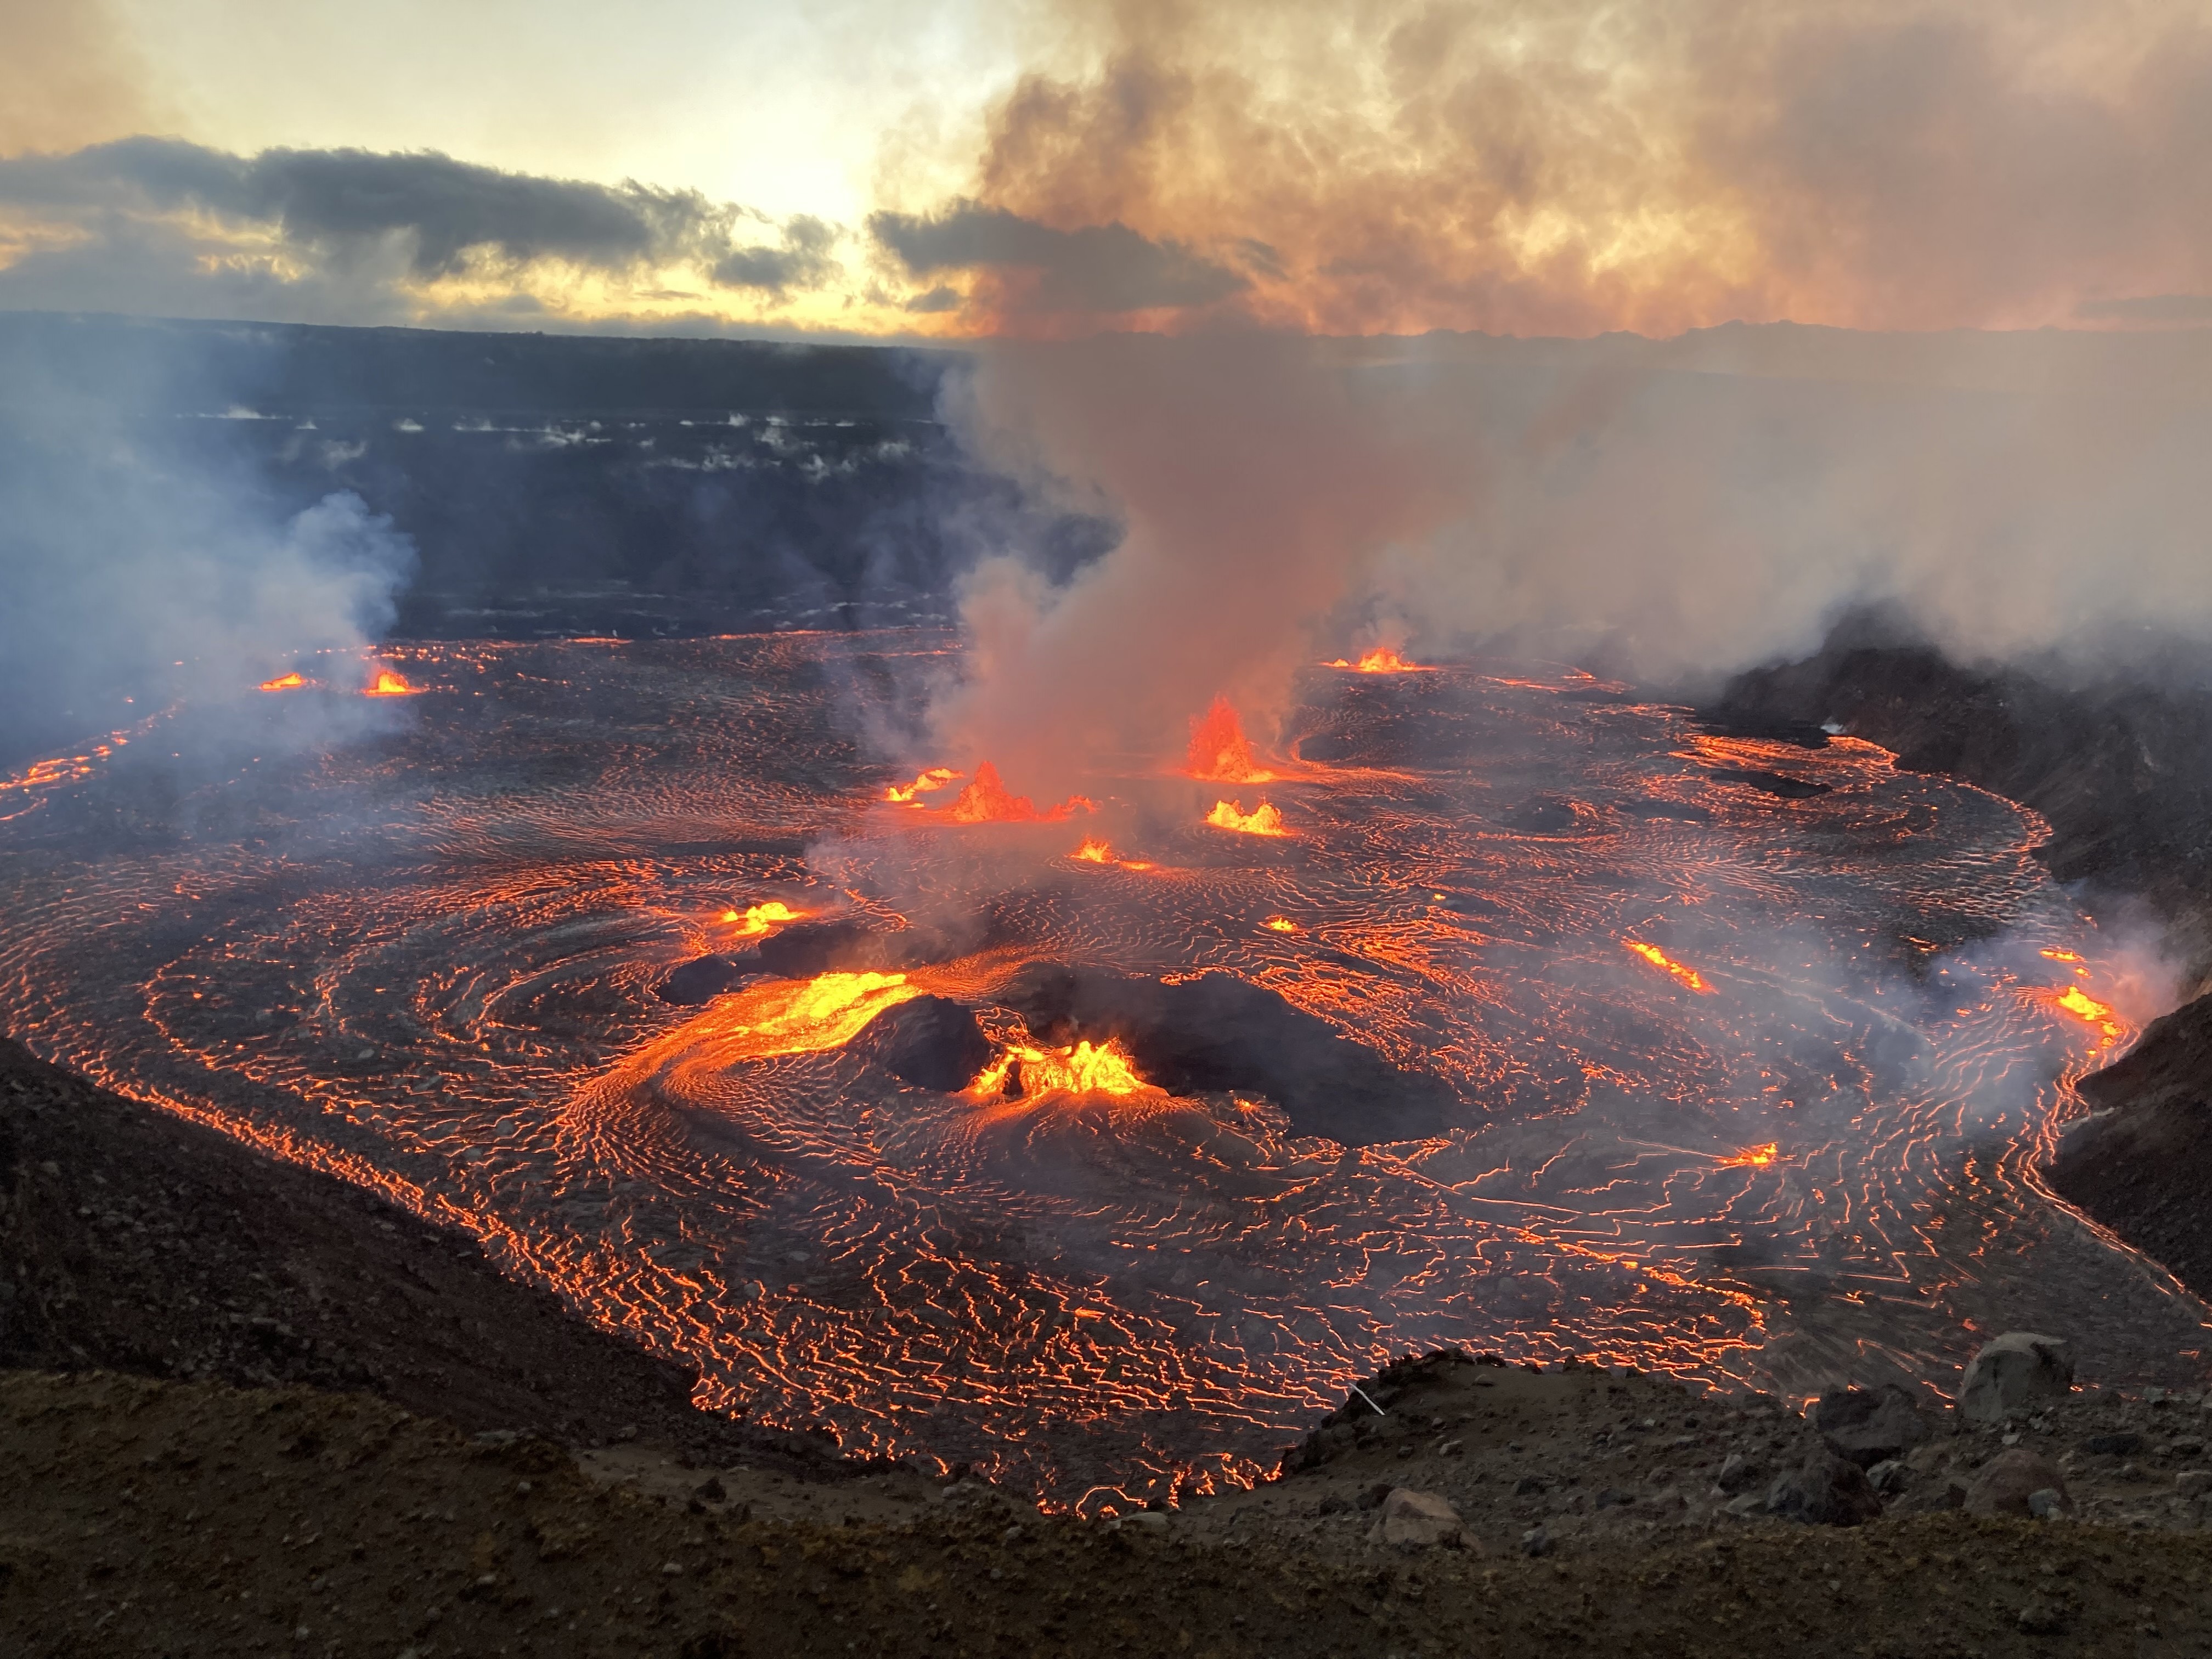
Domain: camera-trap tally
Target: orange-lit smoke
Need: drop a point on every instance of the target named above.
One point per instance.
(1659, 959)
(1573, 168)
(1261, 820)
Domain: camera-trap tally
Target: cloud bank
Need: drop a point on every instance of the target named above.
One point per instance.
(165, 225)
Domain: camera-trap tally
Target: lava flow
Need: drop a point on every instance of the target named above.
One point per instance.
(1261, 1120)
(390, 684)
(1659, 959)
(290, 682)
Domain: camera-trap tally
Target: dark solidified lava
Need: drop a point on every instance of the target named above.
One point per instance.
(1774, 783)
(1219, 1032)
(932, 1043)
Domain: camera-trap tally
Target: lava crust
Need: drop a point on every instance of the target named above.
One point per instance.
(1218, 1033)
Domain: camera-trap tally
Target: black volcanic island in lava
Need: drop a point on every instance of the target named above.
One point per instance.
(1100, 1147)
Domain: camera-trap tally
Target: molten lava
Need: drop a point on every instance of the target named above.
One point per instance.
(1093, 851)
(1382, 659)
(1658, 958)
(2090, 1012)
(757, 919)
(803, 1016)
(1220, 750)
(285, 682)
(1281, 925)
(1750, 1157)
(1087, 1068)
(389, 683)
(1261, 820)
(926, 783)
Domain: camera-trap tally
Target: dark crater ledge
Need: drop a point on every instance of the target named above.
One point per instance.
(131, 1241)
(2143, 1165)
(1219, 1032)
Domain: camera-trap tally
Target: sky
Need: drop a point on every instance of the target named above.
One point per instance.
(1053, 170)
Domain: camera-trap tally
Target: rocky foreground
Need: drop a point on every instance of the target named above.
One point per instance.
(254, 1410)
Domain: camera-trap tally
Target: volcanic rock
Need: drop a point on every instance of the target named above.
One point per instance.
(822, 947)
(1415, 1521)
(2008, 1481)
(1737, 1472)
(2143, 1164)
(1826, 1491)
(699, 981)
(1220, 1032)
(1870, 1426)
(930, 1041)
(2014, 1374)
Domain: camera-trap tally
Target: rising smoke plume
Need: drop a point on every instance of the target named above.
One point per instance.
(140, 562)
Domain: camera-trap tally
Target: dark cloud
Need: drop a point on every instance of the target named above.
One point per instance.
(938, 298)
(803, 261)
(343, 200)
(1095, 268)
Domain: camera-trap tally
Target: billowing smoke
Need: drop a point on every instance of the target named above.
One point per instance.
(1567, 167)
(141, 563)
(1674, 511)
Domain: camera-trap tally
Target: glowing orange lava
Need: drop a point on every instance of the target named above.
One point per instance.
(2062, 956)
(1382, 659)
(2090, 1012)
(285, 682)
(1102, 1068)
(1261, 820)
(926, 783)
(1281, 925)
(986, 800)
(389, 683)
(805, 1015)
(1220, 752)
(1751, 1157)
(1659, 958)
(757, 919)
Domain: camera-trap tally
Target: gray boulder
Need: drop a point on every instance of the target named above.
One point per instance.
(1415, 1520)
(1870, 1426)
(1825, 1491)
(2014, 1375)
(2012, 1481)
